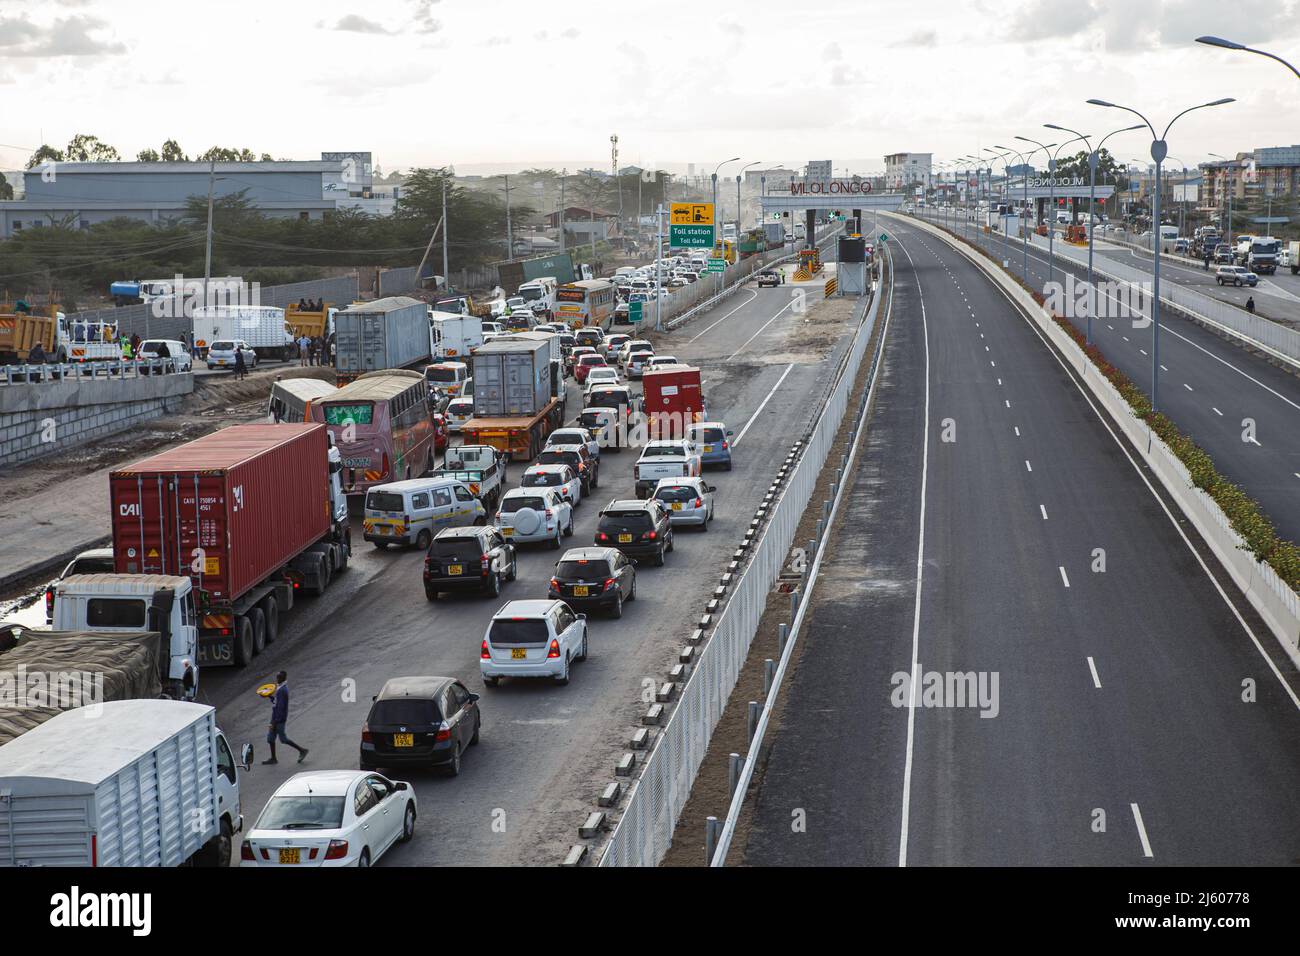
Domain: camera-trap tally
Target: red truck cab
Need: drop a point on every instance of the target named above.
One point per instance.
(673, 397)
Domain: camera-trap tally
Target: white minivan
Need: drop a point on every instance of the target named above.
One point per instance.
(413, 511)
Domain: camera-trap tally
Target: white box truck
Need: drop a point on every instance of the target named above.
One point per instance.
(454, 335)
(121, 783)
(262, 326)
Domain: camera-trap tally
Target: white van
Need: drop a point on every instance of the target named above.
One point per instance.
(539, 295)
(413, 511)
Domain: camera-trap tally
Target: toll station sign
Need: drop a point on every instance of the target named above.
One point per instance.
(691, 214)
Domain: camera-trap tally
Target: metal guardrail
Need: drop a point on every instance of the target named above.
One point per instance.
(644, 830)
(85, 371)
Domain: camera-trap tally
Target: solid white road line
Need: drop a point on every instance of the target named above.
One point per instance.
(920, 569)
(753, 294)
(762, 405)
(1096, 681)
(1142, 832)
(1064, 577)
(760, 331)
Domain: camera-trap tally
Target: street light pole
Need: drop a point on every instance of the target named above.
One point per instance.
(1159, 150)
(1024, 234)
(738, 176)
(1051, 201)
(1232, 45)
(715, 192)
(1006, 189)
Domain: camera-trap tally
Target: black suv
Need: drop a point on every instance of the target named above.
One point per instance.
(476, 557)
(426, 721)
(594, 577)
(576, 457)
(640, 529)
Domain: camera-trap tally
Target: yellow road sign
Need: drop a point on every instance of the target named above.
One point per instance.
(691, 214)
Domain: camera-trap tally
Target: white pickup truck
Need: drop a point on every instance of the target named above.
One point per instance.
(672, 458)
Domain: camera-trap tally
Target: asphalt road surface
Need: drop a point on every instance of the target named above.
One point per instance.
(546, 751)
(1241, 409)
(1135, 719)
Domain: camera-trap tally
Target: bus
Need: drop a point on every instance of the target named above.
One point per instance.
(382, 426)
(725, 249)
(292, 398)
(587, 302)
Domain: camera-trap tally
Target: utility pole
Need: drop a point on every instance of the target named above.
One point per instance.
(446, 269)
(564, 174)
(510, 238)
(613, 140)
(207, 255)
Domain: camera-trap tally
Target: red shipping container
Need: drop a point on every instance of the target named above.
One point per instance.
(228, 509)
(674, 399)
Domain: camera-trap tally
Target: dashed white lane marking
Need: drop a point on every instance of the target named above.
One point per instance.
(1186, 386)
(1028, 466)
(1096, 681)
(1008, 401)
(1216, 411)
(1043, 509)
(1064, 578)
(1017, 428)
(1142, 832)
(1143, 351)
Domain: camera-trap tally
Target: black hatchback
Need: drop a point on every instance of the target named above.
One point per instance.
(475, 558)
(594, 577)
(640, 529)
(421, 721)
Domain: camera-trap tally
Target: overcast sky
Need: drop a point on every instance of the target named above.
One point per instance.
(495, 85)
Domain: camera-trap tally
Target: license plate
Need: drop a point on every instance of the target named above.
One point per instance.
(677, 506)
(624, 539)
(708, 448)
(385, 529)
(403, 740)
(290, 855)
(518, 654)
(455, 569)
(580, 590)
(507, 531)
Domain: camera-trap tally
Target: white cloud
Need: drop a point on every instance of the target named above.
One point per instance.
(355, 23)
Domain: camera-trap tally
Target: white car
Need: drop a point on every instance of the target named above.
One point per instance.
(658, 360)
(574, 435)
(459, 411)
(636, 360)
(613, 345)
(560, 477)
(688, 500)
(221, 354)
(331, 818)
(532, 639)
(178, 353)
(666, 458)
(600, 375)
(528, 515)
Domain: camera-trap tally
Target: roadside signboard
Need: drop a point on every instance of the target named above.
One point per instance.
(635, 311)
(690, 225)
(716, 265)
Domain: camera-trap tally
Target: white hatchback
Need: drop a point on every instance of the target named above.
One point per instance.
(560, 477)
(532, 639)
(688, 500)
(459, 411)
(331, 818)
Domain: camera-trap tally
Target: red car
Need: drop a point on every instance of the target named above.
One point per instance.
(439, 432)
(585, 364)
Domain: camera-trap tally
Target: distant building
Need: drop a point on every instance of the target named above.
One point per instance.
(83, 194)
(907, 169)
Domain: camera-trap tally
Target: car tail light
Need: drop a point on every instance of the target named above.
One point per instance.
(337, 850)
(483, 652)
(554, 650)
(428, 562)
(609, 583)
(246, 851)
(636, 472)
(601, 536)
(49, 601)
(652, 535)
(555, 584)
(699, 502)
(485, 561)
(366, 736)
(444, 732)
(549, 514)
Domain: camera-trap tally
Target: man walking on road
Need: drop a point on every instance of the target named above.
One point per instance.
(279, 717)
(1250, 305)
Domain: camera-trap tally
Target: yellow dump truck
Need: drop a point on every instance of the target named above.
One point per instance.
(310, 323)
(62, 340)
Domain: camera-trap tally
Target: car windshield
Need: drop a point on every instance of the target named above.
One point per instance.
(349, 414)
(637, 519)
(91, 566)
(582, 570)
(404, 711)
(440, 374)
(521, 502)
(518, 630)
(306, 812)
(708, 434)
(542, 479)
(606, 399)
(665, 451)
(553, 457)
(456, 547)
(591, 360)
(223, 346)
(675, 493)
(461, 408)
(384, 501)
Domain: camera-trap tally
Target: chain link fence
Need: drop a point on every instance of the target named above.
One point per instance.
(645, 829)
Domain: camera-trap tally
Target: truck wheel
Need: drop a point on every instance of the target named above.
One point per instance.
(326, 575)
(243, 641)
(271, 611)
(258, 622)
(216, 852)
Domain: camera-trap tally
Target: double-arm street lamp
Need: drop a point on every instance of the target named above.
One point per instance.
(1051, 201)
(1093, 156)
(1159, 150)
(738, 177)
(1024, 234)
(1006, 190)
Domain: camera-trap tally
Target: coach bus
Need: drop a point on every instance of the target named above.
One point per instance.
(586, 302)
(382, 426)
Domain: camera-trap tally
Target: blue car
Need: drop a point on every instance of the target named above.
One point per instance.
(714, 441)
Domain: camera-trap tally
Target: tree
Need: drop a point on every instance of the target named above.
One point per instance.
(85, 148)
(147, 156)
(223, 154)
(1109, 172)
(45, 154)
(6, 190)
(171, 152)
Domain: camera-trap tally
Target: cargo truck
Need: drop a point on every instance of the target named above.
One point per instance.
(454, 335)
(310, 322)
(1262, 255)
(1292, 254)
(388, 333)
(672, 399)
(63, 340)
(517, 400)
(251, 514)
(261, 326)
(127, 783)
(512, 275)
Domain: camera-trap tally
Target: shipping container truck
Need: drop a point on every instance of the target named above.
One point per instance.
(387, 333)
(775, 233)
(251, 514)
(454, 335)
(123, 783)
(75, 668)
(512, 376)
(513, 274)
(262, 326)
(1293, 256)
(673, 398)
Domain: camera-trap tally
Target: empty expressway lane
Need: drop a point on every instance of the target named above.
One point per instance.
(1120, 712)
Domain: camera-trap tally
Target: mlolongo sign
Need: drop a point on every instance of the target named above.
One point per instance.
(830, 187)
